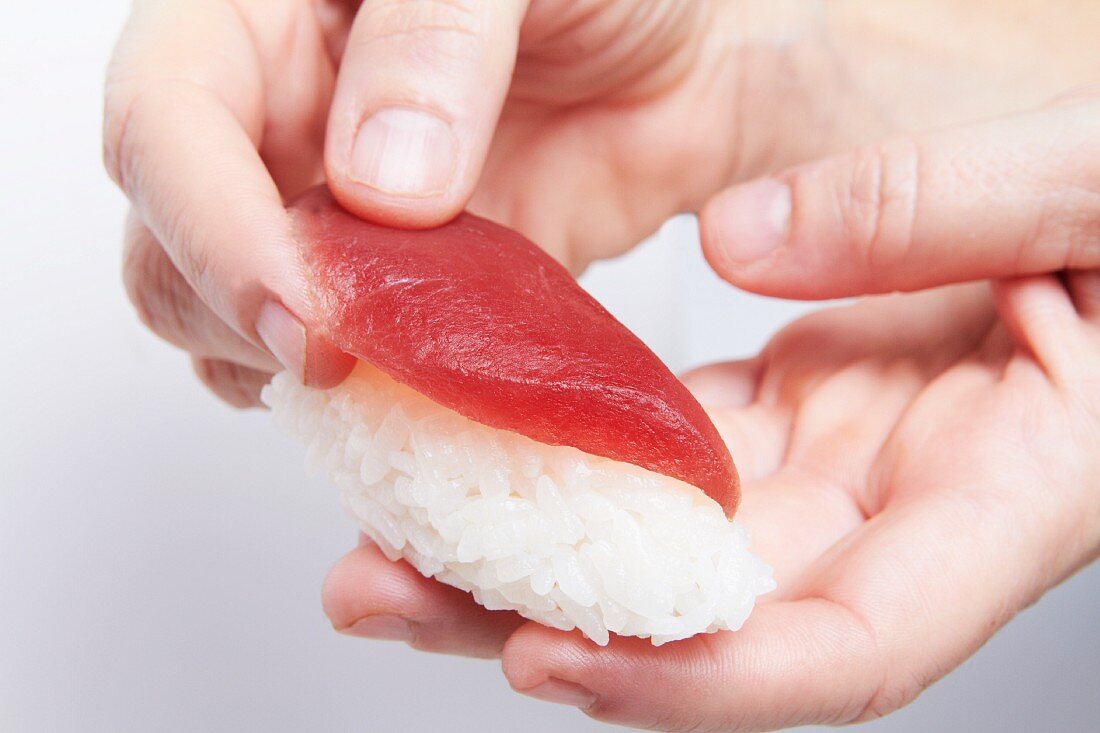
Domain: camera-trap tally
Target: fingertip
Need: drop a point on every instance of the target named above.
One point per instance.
(340, 597)
(627, 682)
(729, 384)
(524, 657)
(364, 582)
(366, 594)
(1040, 313)
(535, 654)
(417, 98)
(306, 354)
(398, 165)
(744, 226)
(325, 365)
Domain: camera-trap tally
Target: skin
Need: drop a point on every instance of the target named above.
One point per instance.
(916, 465)
(922, 448)
(277, 88)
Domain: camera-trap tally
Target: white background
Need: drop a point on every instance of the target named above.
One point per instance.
(161, 555)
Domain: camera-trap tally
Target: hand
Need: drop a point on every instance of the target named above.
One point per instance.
(217, 111)
(917, 468)
(584, 125)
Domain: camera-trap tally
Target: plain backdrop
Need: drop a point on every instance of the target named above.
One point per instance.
(161, 554)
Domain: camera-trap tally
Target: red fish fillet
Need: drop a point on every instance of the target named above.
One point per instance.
(479, 319)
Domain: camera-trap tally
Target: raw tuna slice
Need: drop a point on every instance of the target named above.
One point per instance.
(479, 319)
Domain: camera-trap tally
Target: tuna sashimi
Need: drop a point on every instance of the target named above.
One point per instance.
(482, 321)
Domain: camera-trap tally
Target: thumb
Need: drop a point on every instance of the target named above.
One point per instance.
(417, 99)
(1012, 196)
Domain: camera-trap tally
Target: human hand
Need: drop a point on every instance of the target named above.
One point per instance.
(917, 468)
(617, 115)
(217, 112)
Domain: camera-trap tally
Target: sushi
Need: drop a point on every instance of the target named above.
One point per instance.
(506, 435)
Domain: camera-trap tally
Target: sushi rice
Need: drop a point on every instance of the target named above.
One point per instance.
(564, 538)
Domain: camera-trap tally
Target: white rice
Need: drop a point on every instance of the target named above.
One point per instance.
(565, 538)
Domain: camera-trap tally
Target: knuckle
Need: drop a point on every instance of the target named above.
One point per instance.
(124, 104)
(1066, 233)
(132, 106)
(115, 113)
(878, 201)
(116, 118)
(197, 264)
(444, 24)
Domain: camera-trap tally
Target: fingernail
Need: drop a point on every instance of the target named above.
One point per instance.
(404, 151)
(284, 336)
(563, 693)
(753, 220)
(382, 626)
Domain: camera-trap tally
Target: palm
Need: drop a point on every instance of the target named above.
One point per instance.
(916, 469)
(828, 402)
(897, 451)
(894, 453)
(897, 454)
(891, 406)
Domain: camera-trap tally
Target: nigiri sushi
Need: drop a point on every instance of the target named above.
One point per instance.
(506, 435)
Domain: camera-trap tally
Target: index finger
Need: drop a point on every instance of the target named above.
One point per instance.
(1009, 196)
(184, 113)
